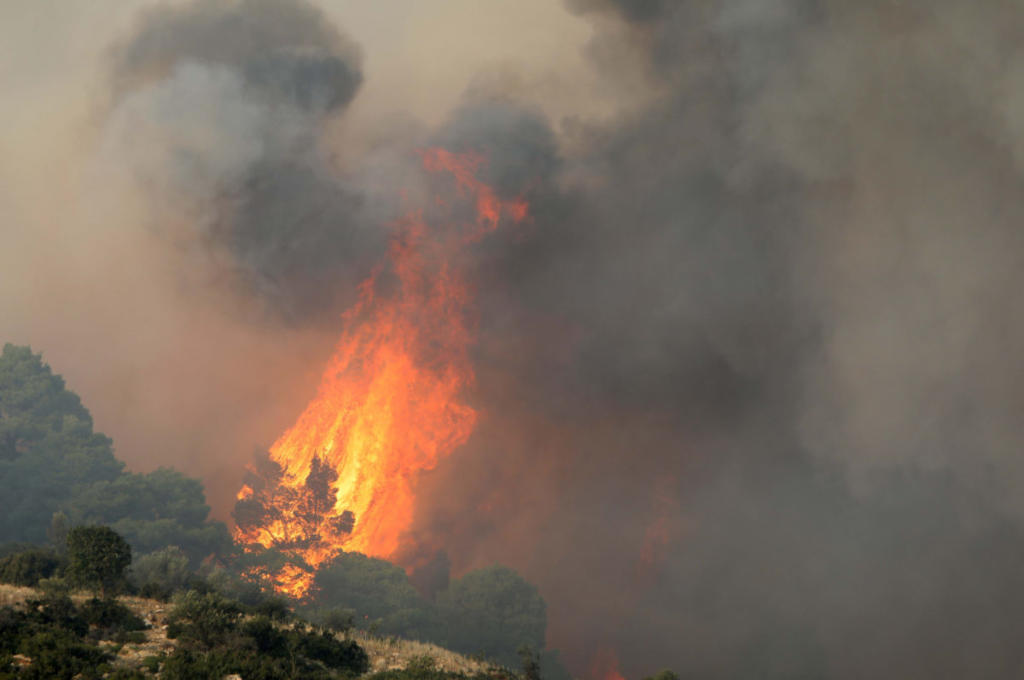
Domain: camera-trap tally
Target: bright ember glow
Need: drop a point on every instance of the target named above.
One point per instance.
(388, 407)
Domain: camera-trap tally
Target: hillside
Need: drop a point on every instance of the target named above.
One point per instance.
(143, 653)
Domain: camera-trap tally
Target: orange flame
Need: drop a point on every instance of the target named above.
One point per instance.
(388, 405)
(604, 665)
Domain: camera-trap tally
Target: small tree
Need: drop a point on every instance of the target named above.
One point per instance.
(97, 558)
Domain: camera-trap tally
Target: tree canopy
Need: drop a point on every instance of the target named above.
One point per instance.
(97, 558)
(493, 611)
(48, 450)
(377, 592)
(52, 461)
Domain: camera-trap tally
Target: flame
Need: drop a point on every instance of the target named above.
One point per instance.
(604, 665)
(388, 407)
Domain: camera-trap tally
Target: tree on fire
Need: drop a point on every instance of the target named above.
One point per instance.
(308, 508)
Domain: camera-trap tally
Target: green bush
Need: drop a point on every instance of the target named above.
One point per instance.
(126, 674)
(28, 567)
(97, 558)
(215, 641)
(375, 591)
(203, 619)
(493, 611)
(50, 631)
(161, 573)
(110, 616)
(345, 655)
(59, 653)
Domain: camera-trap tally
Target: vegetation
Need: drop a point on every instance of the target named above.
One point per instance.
(53, 465)
(494, 612)
(97, 558)
(28, 567)
(161, 573)
(55, 635)
(216, 641)
(426, 668)
(377, 595)
(64, 489)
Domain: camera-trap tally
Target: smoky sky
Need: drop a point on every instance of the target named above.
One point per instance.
(748, 380)
(747, 376)
(219, 108)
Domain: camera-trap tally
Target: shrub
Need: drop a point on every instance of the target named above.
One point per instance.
(161, 573)
(337, 654)
(126, 674)
(493, 611)
(375, 591)
(58, 653)
(28, 567)
(97, 558)
(273, 608)
(203, 619)
(110, 615)
(337, 620)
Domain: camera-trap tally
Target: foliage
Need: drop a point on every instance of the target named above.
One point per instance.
(56, 471)
(97, 558)
(155, 510)
(50, 631)
(110, 615)
(161, 573)
(229, 583)
(490, 612)
(493, 611)
(48, 450)
(203, 619)
(214, 641)
(376, 591)
(28, 567)
(57, 636)
(338, 620)
(126, 674)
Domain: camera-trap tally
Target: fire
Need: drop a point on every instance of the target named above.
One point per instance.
(388, 407)
(604, 665)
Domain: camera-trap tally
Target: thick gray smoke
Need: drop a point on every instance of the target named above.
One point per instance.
(748, 396)
(220, 108)
(748, 380)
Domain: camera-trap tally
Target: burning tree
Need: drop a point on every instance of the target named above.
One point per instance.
(388, 406)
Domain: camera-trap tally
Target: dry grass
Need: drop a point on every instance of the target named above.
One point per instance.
(14, 595)
(391, 653)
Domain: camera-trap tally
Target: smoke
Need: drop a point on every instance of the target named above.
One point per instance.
(746, 380)
(219, 110)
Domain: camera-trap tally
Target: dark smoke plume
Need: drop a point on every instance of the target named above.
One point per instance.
(748, 379)
(220, 107)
